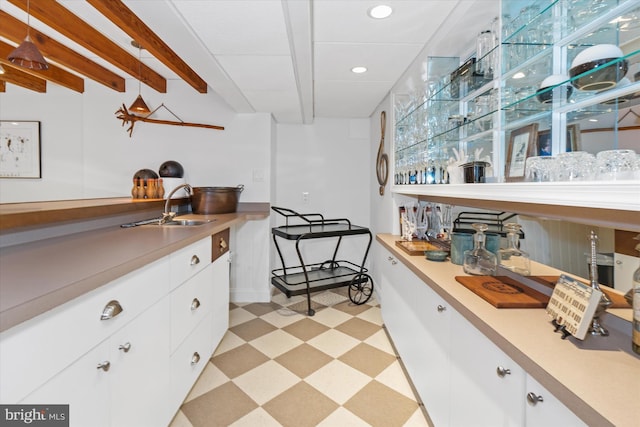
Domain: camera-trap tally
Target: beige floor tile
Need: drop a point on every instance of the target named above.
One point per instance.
(266, 381)
(300, 406)
(302, 307)
(239, 315)
(381, 406)
(380, 341)
(373, 315)
(261, 308)
(393, 377)
(275, 343)
(210, 378)
(334, 343)
(257, 418)
(220, 407)
(280, 298)
(367, 359)
(358, 328)
(351, 308)
(417, 420)
(306, 328)
(239, 360)
(180, 420)
(331, 317)
(229, 342)
(338, 381)
(282, 317)
(252, 329)
(304, 360)
(343, 418)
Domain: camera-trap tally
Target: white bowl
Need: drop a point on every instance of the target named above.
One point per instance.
(588, 70)
(596, 53)
(546, 96)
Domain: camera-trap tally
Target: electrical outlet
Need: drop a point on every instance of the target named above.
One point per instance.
(305, 197)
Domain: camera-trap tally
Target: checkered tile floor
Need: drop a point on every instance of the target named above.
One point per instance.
(278, 367)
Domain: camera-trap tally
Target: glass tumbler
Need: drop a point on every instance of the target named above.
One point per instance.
(616, 164)
(540, 169)
(575, 166)
(479, 261)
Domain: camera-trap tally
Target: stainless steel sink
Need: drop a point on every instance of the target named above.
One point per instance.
(186, 222)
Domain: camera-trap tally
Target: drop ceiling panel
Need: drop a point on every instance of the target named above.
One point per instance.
(246, 27)
(348, 99)
(411, 21)
(259, 72)
(384, 62)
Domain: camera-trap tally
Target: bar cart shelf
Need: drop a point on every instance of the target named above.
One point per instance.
(306, 278)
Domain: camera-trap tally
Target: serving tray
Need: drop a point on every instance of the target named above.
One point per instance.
(417, 247)
(504, 292)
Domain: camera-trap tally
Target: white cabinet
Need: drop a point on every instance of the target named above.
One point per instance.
(220, 270)
(543, 409)
(623, 268)
(461, 376)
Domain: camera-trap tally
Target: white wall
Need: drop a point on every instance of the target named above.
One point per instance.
(87, 152)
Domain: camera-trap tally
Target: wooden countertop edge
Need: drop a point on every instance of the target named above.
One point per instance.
(15, 315)
(567, 396)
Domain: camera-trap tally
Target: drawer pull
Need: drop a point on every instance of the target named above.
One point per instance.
(104, 365)
(223, 245)
(394, 262)
(195, 358)
(441, 308)
(111, 310)
(195, 260)
(502, 371)
(390, 258)
(125, 347)
(195, 304)
(534, 398)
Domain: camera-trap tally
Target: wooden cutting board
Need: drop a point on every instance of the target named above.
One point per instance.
(503, 292)
(417, 247)
(617, 300)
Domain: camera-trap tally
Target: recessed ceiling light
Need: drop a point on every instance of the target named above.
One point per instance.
(518, 75)
(380, 12)
(359, 70)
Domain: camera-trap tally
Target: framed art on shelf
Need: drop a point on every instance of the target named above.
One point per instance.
(20, 149)
(572, 141)
(523, 143)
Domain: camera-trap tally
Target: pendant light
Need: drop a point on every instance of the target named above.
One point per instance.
(139, 106)
(27, 54)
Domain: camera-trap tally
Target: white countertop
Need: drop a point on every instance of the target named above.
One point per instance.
(598, 378)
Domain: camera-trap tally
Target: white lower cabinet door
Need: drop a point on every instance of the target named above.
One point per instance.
(543, 409)
(486, 384)
(220, 282)
(84, 386)
(139, 377)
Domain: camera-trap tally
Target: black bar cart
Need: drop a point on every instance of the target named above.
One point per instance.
(307, 278)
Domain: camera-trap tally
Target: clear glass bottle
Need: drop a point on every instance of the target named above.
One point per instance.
(635, 333)
(512, 257)
(479, 261)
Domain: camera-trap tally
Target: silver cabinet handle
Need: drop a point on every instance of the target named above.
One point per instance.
(394, 262)
(125, 347)
(195, 260)
(195, 358)
(390, 258)
(195, 304)
(534, 398)
(618, 262)
(111, 310)
(104, 365)
(502, 371)
(441, 308)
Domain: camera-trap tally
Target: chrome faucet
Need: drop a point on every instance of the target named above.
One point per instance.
(167, 215)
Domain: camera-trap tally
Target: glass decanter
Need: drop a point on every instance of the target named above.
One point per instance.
(512, 257)
(479, 261)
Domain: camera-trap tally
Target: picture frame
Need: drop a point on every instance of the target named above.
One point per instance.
(20, 149)
(523, 143)
(572, 141)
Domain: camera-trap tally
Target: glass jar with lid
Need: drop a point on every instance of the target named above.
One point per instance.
(479, 261)
(512, 257)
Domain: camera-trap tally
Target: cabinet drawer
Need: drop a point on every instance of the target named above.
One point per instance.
(65, 333)
(190, 303)
(188, 261)
(189, 360)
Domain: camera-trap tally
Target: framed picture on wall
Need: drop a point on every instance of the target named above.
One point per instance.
(523, 143)
(20, 149)
(572, 141)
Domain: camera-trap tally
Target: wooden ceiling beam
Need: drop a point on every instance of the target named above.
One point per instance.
(129, 22)
(27, 81)
(53, 74)
(60, 19)
(15, 30)
(3, 85)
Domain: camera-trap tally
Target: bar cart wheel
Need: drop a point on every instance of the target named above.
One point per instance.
(360, 288)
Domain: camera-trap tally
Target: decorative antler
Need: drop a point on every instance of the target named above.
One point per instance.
(126, 117)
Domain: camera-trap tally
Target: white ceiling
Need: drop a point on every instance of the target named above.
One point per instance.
(291, 58)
